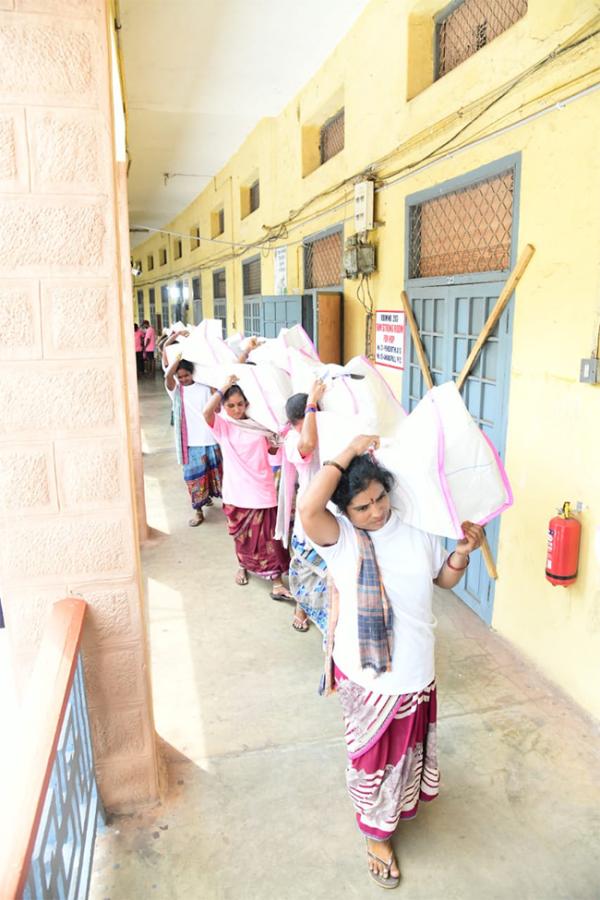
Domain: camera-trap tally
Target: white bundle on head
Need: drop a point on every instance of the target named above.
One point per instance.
(277, 350)
(357, 388)
(446, 469)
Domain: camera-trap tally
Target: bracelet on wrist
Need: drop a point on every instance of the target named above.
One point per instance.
(457, 568)
(311, 408)
(336, 465)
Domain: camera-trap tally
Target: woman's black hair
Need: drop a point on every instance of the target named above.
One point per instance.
(187, 365)
(234, 389)
(357, 477)
(295, 407)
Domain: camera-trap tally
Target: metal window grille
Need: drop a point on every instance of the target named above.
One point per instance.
(178, 249)
(196, 288)
(150, 262)
(323, 261)
(252, 317)
(254, 196)
(332, 136)
(197, 311)
(467, 28)
(162, 254)
(219, 284)
(152, 303)
(468, 230)
(140, 306)
(251, 276)
(220, 312)
(164, 305)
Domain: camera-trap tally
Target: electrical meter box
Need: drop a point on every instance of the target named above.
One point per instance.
(589, 371)
(364, 193)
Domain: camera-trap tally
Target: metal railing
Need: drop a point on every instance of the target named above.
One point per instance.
(51, 807)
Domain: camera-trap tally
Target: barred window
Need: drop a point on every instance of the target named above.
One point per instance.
(254, 196)
(197, 299)
(332, 136)
(164, 305)
(195, 237)
(150, 262)
(178, 249)
(467, 28)
(323, 261)
(162, 256)
(252, 317)
(140, 306)
(219, 284)
(468, 230)
(152, 303)
(251, 276)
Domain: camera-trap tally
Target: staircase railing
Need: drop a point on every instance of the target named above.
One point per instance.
(50, 807)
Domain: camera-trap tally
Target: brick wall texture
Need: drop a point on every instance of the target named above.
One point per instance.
(67, 517)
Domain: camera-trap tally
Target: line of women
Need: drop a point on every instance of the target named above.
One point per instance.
(360, 573)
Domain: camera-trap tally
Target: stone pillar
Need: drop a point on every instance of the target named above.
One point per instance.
(67, 492)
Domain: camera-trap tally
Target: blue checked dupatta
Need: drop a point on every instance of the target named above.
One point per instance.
(375, 616)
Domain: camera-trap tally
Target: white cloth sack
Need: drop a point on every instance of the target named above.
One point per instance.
(368, 395)
(447, 470)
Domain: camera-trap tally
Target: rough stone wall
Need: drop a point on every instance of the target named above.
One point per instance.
(67, 497)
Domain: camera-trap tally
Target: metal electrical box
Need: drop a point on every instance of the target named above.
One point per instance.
(364, 193)
(589, 372)
(359, 259)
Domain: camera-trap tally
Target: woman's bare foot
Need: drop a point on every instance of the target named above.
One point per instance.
(300, 620)
(241, 577)
(382, 860)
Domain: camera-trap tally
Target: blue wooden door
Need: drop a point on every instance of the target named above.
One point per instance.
(280, 312)
(450, 319)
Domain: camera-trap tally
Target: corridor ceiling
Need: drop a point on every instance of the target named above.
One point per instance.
(200, 74)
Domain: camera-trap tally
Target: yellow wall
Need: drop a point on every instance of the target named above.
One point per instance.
(552, 440)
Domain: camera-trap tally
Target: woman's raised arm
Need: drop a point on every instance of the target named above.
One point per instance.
(319, 524)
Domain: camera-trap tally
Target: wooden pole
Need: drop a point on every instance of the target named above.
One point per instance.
(414, 331)
(505, 294)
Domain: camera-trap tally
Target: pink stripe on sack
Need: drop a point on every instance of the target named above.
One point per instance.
(441, 473)
(509, 494)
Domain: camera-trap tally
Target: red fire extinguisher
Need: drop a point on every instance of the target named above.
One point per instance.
(564, 533)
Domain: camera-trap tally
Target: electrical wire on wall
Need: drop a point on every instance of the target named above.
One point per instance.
(276, 235)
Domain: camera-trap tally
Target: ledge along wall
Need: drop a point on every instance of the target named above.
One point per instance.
(67, 492)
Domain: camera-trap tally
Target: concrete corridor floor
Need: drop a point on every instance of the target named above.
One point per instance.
(256, 807)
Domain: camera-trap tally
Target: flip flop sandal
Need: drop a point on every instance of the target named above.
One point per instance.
(241, 582)
(280, 596)
(197, 520)
(209, 502)
(387, 881)
(299, 624)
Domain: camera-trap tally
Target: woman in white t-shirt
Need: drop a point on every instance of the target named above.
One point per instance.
(196, 447)
(381, 640)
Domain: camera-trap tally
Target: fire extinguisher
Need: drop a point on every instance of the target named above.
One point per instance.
(564, 533)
